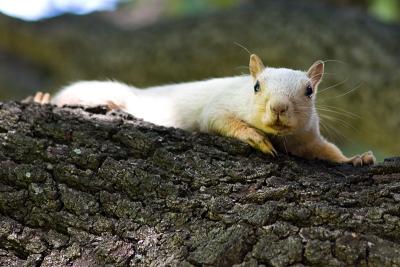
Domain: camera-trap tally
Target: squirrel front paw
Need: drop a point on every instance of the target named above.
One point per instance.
(260, 142)
(367, 158)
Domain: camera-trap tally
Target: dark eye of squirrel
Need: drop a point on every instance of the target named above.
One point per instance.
(309, 91)
(257, 87)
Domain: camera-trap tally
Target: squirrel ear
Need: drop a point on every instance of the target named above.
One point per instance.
(316, 72)
(256, 66)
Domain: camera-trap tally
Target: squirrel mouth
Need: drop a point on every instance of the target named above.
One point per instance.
(280, 128)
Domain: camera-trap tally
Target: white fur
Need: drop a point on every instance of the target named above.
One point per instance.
(190, 106)
(284, 81)
(91, 93)
(185, 105)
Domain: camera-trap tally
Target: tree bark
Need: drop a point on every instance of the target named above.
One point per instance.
(94, 188)
(362, 57)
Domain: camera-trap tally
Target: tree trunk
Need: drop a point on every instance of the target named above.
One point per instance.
(86, 188)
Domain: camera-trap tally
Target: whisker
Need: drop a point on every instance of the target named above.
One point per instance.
(325, 73)
(284, 144)
(339, 109)
(332, 86)
(348, 92)
(334, 60)
(244, 48)
(332, 134)
(328, 132)
(336, 112)
(332, 130)
(345, 123)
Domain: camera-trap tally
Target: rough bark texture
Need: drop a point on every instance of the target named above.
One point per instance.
(86, 188)
(52, 53)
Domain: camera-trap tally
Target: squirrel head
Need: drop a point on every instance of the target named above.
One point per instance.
(284, 99)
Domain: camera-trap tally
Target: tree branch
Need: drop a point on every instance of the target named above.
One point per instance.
(86, 188)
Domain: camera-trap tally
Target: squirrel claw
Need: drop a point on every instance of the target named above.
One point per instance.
(266, 147)
(365, 159)
(41, 98)
(273, 152)
(258, 140)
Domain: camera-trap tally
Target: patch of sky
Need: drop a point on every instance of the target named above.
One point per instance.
(41, 9)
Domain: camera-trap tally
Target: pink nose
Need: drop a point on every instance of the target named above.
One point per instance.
(279, 108)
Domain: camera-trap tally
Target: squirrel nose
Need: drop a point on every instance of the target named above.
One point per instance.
(279, 108)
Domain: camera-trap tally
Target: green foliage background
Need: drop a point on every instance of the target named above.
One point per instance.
(387, 10)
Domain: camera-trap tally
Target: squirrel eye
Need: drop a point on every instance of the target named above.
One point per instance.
(257, 87)
(309, 91)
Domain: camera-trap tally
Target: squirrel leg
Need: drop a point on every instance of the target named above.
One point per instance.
(328, 151)
(238, 129)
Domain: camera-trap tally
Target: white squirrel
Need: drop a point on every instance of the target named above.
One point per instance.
(273, 108)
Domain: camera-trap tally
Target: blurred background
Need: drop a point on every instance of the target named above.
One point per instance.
(45, 44)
